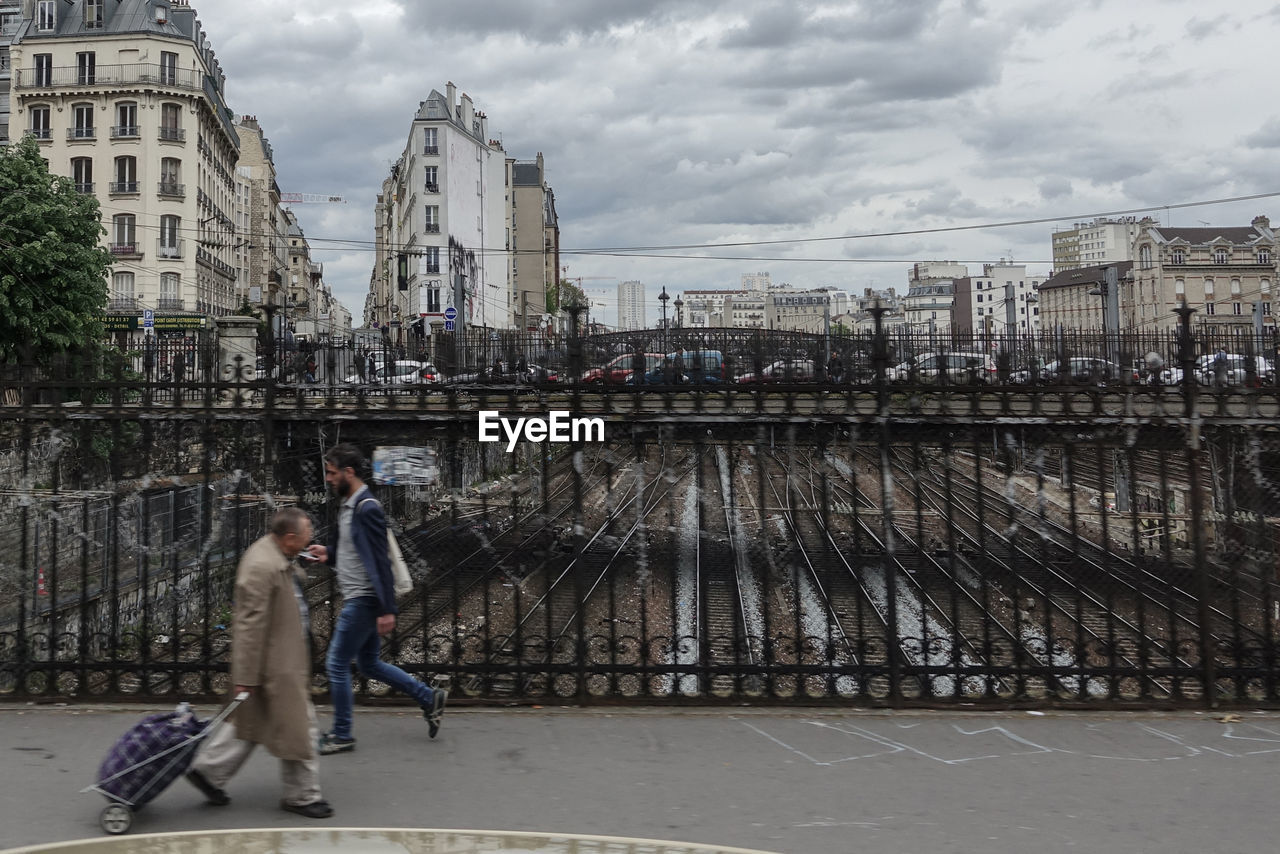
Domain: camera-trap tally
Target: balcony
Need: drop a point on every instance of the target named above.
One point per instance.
(431, 149)
(123, 187)
(141, 74)
(125, 250)
(172, 190)
(42, 134)
(168, 249)
(169, 304)
(433, 188)
(122, 304)
(85, 188)
(125, 132)
(173, 135)
(432, 228)
(82, 134)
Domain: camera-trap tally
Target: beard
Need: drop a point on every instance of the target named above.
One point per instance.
(342, 488)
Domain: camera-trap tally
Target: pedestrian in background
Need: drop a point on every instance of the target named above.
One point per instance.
(358, 552)
(271, 661)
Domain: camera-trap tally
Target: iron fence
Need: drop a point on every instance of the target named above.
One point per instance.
(889, 539)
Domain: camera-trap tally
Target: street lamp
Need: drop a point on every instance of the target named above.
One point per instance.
(679, 304)
(662, 298)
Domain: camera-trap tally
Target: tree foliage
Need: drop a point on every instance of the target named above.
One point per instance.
(566, 294)
(53, 269)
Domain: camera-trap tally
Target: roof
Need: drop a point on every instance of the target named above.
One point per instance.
(120, 16)
(1086, 275)
(525, 175)
(1204, 236)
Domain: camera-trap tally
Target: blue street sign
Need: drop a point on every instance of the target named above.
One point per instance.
(148, 318)
(448, 324)
(450, 314)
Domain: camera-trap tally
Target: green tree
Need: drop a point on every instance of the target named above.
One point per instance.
(53, 270)
(565, 294)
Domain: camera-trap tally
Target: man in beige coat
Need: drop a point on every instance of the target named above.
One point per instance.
(270, 660)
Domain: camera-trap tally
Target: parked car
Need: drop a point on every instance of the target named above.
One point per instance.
(782, 371)
(1234, 370)
(1088, 369)
(402, 372)
(685, 366)
(506, 375)
(955, 367)
(618, 369)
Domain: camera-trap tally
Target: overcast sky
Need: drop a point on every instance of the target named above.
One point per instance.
(674, 122)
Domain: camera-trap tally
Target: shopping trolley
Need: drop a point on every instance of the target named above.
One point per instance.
(152, 754)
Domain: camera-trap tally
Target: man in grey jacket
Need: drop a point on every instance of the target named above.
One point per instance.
(358, 553)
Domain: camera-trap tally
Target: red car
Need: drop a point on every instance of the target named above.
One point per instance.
(619, 368)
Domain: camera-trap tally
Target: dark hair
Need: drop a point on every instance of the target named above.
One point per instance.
(345, 456)
(287, 520)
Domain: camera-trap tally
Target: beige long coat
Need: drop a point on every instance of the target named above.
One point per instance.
(269, 653)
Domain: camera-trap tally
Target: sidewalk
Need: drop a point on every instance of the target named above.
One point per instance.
(809, 781)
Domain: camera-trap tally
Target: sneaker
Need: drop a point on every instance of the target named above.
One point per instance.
(439, 697)
(315, 809)
(212, 794)
(330, 743)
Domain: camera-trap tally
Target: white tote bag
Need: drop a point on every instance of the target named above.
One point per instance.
(400, 577)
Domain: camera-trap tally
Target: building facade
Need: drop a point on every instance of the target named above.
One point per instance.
(1221, 271)
(631, 308)
(10, 18)
(798, 311)
(441, 224)
(984, 304)
(1102, 241)
(127, 99)
(930, 294)
(534, 242)
(1066, 302)
(265, 261)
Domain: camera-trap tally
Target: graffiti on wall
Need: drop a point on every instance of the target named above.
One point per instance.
(462, 261)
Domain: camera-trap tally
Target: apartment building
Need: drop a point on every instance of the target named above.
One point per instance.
(1066, 301)
(1101, 241)
(127, 99)
(441, 224)
(10, 17)
(1219, 270)
(631, 308)
(534, 241)
(264, 259)
(798, 311)
(744, 310)
(930, 294)
(984, 304)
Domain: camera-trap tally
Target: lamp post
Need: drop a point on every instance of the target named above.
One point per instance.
(662, 298)
(1109, 289)
(679, 318)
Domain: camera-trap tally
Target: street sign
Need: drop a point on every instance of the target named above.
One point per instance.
(448, 326)
(450, 314)
(148, 318)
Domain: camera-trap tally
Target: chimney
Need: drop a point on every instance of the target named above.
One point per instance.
(1261, 222)
(451, 93)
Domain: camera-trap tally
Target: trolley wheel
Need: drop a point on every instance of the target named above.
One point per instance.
(116, 819)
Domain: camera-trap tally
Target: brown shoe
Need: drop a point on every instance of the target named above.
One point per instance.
(315, 809)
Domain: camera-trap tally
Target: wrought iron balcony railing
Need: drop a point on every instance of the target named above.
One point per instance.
(169, 248)
(177, 191)
(123, 187)
(141, 74)
(81, 134)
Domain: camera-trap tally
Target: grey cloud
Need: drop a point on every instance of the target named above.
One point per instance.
(1055, 187)
(542, 20)
(1267, 136)
(1200, 29)
(773, 27)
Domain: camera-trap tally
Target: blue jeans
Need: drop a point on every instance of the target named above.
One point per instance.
(356, 637)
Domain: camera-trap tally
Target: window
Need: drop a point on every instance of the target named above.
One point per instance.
(124, 236)
(431, 259)
(433, 179)
(1210, 309)
(168, 68)
(122, 286)
(170, 226)
(1235, 308)
(170, 177)
(39, 122)
(82, 173)
(1208, 288)
(1179, 287)
(1264, 256)
(82, 115)
(433, 219)
(169, 286)
(979, 297)
(93, 14)
(86, 67)
(433, 299)
(430, 140)
(46, 16)
(126, 119)
(4, 57)
(44, 68)
(126, 175)
(171, 122)
(1220, 256)
(1178, 257)
(1266, 309)
(1144, 256)
(1235, 287)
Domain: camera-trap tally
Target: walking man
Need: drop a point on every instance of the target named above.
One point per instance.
(358, 552)
(271, 661)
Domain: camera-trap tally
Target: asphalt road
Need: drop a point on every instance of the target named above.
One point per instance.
(812, 781)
